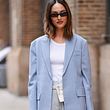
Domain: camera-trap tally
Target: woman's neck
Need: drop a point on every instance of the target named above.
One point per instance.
(59, 36)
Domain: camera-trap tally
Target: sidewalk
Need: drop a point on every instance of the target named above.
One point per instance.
(9, 101)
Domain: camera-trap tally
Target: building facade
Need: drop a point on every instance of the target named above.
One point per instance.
(21, 21)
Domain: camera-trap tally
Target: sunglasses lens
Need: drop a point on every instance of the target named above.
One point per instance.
(62, 14)
(54, 15)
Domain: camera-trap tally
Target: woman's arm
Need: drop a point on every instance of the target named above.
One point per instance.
(32, 83)
(86, 71)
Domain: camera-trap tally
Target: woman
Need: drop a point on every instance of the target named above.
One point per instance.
(59, 69)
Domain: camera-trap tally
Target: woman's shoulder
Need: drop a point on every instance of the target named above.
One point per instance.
(80, 38)
(40, 39)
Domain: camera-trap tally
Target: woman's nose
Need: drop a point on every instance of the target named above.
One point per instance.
(59, 17)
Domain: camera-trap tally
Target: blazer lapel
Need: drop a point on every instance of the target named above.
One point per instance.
(70, 46)
(46, 54)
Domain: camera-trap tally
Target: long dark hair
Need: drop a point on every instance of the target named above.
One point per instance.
(49, 28)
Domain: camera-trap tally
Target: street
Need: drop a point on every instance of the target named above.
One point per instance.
(9, 101)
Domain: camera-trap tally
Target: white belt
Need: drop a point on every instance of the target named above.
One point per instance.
(59, 88)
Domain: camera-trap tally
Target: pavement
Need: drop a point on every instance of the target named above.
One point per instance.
(9, 101)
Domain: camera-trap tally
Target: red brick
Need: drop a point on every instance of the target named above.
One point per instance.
(91, 14)
(32, 21)
(4, 23)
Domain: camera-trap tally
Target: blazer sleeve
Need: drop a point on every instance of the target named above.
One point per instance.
(86, 71)
(32, 83)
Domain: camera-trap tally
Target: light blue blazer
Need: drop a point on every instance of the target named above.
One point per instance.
(76, 75)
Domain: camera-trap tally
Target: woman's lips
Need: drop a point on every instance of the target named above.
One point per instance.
(59, 22)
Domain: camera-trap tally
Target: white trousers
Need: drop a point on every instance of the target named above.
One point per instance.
(56, 105)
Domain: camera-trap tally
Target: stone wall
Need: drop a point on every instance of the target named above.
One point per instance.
(94, 59)
(105, 77)
(17, 71)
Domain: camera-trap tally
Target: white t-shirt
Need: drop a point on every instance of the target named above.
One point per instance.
(57, 54)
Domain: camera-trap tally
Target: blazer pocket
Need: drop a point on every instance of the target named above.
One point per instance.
(77, 53)
(81, 92)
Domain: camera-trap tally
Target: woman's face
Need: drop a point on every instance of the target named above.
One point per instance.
(59, 16)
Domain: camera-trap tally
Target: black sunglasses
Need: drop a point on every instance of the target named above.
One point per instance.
(62, 14)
